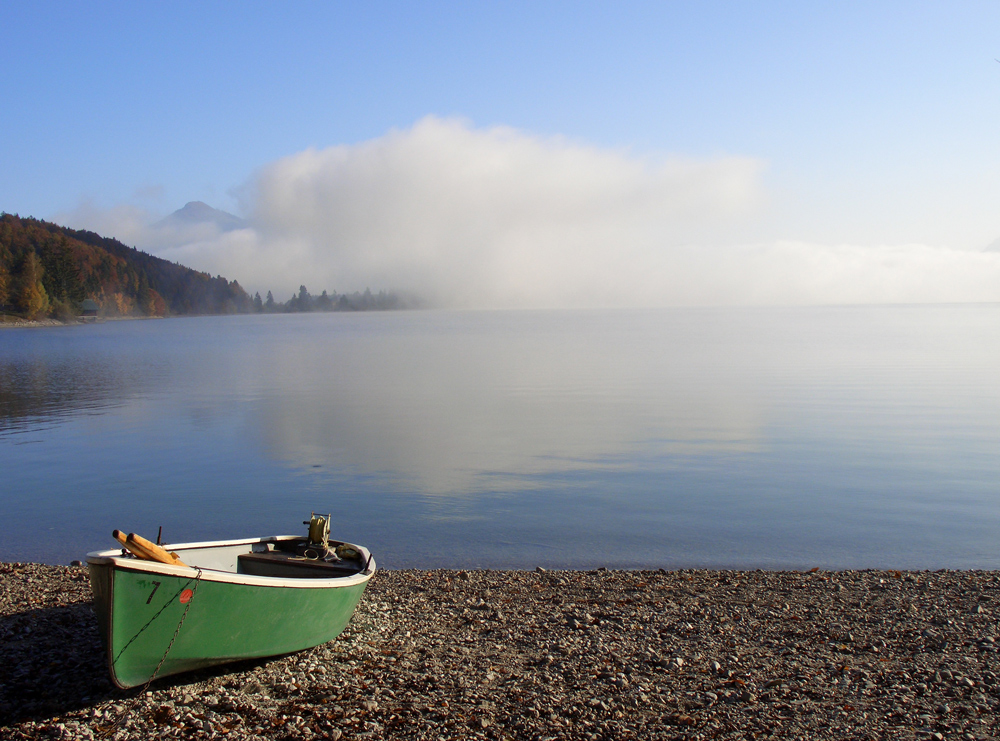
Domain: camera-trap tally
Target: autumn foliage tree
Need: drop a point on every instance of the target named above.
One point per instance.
(32, 299)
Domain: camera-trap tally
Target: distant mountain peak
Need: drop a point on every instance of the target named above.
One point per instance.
(199, 209)
(197, 213)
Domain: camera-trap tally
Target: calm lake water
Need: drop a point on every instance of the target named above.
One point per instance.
(774, 438)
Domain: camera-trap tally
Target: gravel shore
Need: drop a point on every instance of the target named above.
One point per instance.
(11, 323)
(691, 654)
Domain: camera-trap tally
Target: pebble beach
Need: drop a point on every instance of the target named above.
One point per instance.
(688, 654)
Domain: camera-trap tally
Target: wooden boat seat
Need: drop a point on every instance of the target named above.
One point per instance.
(288, 565)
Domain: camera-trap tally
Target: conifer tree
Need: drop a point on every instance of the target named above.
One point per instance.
(144, 296)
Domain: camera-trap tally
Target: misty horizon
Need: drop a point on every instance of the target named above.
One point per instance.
(466, 217)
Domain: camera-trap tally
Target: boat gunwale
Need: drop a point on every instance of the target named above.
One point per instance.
(115, 559)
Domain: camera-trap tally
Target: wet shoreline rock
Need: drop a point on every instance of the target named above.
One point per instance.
(692, 654)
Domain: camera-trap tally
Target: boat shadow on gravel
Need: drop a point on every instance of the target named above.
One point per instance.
(52, 663)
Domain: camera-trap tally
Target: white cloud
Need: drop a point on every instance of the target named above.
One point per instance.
(486, 217)
(470, 217)
(495, 217)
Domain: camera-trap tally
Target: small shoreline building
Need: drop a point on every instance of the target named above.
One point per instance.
(88, 310)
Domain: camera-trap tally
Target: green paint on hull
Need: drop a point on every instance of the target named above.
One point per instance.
(139, 612)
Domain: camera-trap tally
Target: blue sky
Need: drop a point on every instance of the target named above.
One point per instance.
(872, 123)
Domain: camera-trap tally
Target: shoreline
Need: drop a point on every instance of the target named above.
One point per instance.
(36, 323)
(25, 323)
(590, 655)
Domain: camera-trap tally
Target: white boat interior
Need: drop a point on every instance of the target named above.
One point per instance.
(283, 557)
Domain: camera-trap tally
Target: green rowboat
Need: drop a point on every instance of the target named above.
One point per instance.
(233, 600)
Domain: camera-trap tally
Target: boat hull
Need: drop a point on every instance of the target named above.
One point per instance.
(163, 620)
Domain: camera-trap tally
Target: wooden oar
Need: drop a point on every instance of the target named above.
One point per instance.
(146, 550)
(156, 552)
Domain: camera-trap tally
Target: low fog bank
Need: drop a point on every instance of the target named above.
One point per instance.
(498, 218)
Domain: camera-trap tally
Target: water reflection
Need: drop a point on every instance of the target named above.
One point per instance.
(39, 392)
(486, 406)
(840, 437)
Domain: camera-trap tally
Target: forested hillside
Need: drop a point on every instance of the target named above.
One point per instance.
(48, 270)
